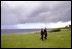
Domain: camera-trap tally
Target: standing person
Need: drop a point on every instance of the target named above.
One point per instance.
(42, 33)
(45, 33)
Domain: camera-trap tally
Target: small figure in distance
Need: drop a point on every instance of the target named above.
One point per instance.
(45, 33)
(42, 33)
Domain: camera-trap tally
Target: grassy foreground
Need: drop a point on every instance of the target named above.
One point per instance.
(61, 39)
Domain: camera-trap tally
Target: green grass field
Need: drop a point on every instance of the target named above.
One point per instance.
(61, 39)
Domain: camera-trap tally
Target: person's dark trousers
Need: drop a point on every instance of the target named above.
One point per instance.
(45, 36)
(42, 37)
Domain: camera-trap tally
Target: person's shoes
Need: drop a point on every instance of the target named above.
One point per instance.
(45, 38)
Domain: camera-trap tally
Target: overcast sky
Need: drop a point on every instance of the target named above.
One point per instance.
(35, 12)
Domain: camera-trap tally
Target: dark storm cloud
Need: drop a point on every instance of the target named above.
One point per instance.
(44, 11)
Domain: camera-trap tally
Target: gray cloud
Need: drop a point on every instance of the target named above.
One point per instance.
(7, 16)
(44, 11)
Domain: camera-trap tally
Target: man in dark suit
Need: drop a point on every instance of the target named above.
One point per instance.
(45, 33)
(42, 33)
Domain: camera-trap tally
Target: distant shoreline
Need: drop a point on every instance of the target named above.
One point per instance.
(20, 33)
(13, 31)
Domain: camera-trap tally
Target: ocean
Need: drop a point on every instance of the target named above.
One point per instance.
(5, 31)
